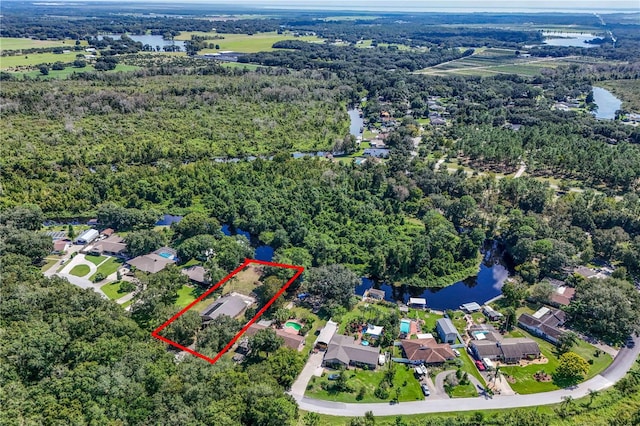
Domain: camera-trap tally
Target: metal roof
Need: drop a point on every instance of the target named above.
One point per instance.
(446, 326)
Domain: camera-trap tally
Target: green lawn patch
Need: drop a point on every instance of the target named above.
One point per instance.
(16, 43)
(109, 267)
(49, 264)
(464, 391)
(96, 260)
(112, 290)
(364, 310)
(403, 380)
(80, 270)
(186, 295)
(260, 42)
(127, 303)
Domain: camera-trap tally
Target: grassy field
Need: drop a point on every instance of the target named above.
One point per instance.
(109, 267)
(243, 282)
(403, 380)
(627, 90)
(80, 270)
(112, 290)
(365, 310)
(11, 43)
(261, 42)
(491, 61)
(250, 67)
(9, 62)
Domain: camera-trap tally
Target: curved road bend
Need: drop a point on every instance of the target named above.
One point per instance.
(621, 364)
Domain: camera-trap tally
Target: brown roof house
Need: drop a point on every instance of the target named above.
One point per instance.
(344, 351)
(426, 351)
(292, 341)
(112, 246)
(545, 323)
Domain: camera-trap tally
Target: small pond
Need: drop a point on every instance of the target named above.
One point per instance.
(568, 39)
(606, 102)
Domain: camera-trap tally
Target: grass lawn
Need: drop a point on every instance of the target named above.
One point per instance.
(109, 267)
(127, 303)
(260, 42)
(526, 384)
(250, 67)
(80, 270)
(464, 391)
(369, 380)
(32, 59)
(49, 264)
(186, 295)
(469, 366)
(192, 262)
(96, 260)
(243, 282)
(365, 310)
(112, 290)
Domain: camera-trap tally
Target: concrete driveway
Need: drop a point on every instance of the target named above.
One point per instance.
(313, 367)
(82, 282)
(621, 364)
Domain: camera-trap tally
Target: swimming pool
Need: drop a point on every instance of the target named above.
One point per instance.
(480, 335)
(166, 255)
(364, 343)
(293, 324)
(405, 326)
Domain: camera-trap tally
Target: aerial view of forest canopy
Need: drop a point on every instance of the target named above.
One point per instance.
(411, 162)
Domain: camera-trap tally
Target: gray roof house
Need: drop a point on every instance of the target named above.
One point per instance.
(446, 330)
(231, 305)
(343, 350)
(507, 350)
(197, 274)
(545, 323)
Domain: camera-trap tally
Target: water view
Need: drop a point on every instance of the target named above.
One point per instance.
(355, 127)
(606, 102)
(568, 39)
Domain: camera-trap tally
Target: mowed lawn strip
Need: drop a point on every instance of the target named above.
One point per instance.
(112, 290)
(80, 270)
(109, 267)
(96, 260)
(186, 295)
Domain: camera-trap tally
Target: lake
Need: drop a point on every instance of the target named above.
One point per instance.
(486, 285)
(606, 102)
(355, 127)
(151, 40)
(568, 39)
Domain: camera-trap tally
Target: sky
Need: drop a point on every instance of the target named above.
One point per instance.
(418, 5)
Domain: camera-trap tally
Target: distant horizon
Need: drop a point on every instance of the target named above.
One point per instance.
(402, 6)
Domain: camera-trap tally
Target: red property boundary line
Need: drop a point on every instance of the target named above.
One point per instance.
(247, 262)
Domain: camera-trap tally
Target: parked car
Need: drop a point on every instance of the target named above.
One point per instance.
(425, 390)
(456, 352)
(480, 366)
(334, 376)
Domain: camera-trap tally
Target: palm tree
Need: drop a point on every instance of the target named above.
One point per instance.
(592, 395)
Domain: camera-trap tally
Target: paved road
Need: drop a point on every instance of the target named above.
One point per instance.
(621, 364)
(521, 170)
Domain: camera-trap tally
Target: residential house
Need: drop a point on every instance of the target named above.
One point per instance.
(154, 262)
(510, 350)
(232, 305)
(197, 274)
(426, 351)
(292, 341)
(60, 246)
(376, 152)
(562, 296)
(446, 330)
(326, 334)
(344, 351)
(491, 314)
(107, 232)
(545, 323)
(112, 246)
